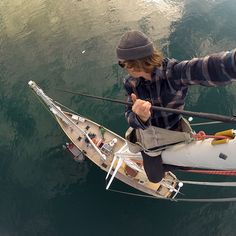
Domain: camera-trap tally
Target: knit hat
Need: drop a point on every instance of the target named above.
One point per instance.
(134, 45)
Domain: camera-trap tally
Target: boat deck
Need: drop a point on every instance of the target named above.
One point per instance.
(110, 143)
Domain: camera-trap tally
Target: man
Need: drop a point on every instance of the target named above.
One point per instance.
(154, 80)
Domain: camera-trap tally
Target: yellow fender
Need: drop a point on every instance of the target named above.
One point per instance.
(219, 141)
(230, 133)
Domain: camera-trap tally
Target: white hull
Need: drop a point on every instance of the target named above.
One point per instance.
(202, 154)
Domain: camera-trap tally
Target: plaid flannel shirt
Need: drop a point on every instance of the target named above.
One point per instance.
(169, 85)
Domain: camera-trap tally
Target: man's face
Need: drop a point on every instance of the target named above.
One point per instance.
(130, 70)
(133, 73)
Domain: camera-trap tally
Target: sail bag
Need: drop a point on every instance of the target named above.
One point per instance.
(154, 139)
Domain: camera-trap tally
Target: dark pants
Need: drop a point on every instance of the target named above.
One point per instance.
(154, 168)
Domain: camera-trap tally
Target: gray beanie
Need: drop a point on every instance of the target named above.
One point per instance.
(134, 45)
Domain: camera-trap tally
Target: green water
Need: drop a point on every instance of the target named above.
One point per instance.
(71, 44)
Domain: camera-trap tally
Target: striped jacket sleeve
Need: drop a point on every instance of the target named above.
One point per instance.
(133, 120)
(213, 70)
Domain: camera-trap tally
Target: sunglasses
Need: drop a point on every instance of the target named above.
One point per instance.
(121, 64)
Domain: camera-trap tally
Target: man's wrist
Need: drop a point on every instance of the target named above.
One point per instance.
(143, 119)
(145, 123)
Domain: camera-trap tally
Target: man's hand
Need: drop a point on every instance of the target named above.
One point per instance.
(141, 108)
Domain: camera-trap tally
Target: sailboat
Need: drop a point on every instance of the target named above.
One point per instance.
(111, 153)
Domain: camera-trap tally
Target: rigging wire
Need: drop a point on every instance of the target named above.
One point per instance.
(223, 184)
(225, 199)
(57, 104)
(216, 117)
(44, 105)
(207, 123)
(67, 108)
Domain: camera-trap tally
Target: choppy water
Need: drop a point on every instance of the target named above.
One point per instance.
(71, 44)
